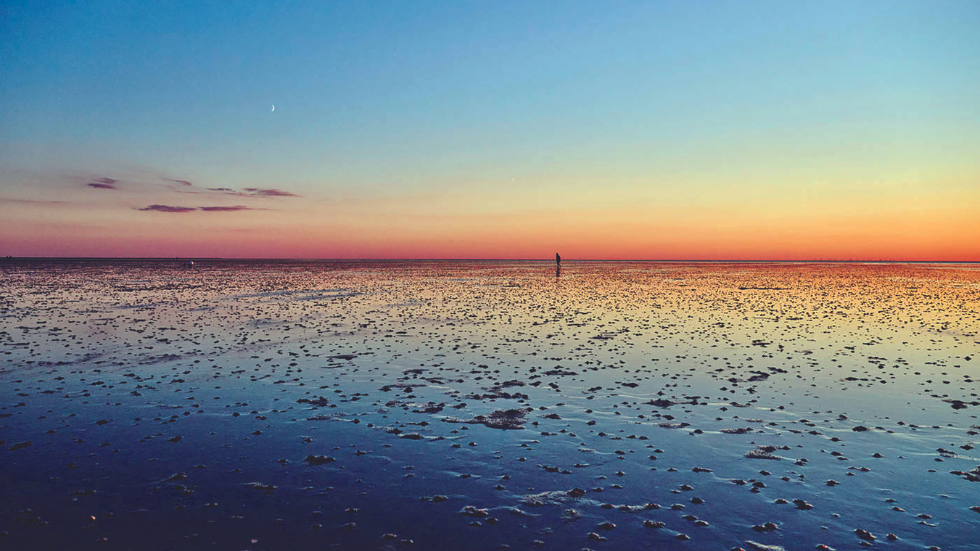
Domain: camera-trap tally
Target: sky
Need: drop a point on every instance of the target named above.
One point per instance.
(737, 130)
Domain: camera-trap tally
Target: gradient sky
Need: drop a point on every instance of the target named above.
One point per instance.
(412, 129)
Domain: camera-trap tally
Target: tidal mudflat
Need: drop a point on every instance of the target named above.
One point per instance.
(489, 405)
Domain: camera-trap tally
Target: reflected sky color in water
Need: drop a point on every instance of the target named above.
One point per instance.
(353, 404)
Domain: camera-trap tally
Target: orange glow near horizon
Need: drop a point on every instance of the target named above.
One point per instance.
(647, 130)
(465, 227)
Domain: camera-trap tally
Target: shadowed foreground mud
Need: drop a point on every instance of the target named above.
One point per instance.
(488, 405)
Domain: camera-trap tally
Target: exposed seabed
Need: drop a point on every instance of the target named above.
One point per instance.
(488, 405)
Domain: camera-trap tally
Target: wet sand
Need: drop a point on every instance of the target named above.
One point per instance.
(489, 405)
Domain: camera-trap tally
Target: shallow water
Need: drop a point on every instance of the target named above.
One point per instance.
(168, 408)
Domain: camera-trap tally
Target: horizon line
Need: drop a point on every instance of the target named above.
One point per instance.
(314, 259)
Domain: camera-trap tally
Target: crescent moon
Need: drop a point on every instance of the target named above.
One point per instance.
(273, 109)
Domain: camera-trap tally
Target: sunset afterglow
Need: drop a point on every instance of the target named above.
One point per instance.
(647, 130)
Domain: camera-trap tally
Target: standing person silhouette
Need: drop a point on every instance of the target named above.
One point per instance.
(557, 264)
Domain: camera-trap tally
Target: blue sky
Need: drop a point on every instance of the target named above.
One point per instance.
(380, 99)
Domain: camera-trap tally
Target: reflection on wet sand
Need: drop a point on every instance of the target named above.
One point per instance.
(480, 405)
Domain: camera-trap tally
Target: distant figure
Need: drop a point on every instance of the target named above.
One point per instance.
(189, 264)
(557, 265)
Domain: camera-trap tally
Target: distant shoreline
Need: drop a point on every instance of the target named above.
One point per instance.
(469, 260)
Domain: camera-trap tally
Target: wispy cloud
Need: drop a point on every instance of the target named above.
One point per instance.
(103, 183)
(11, 201)
(227, 209)
(167, 208)
(170, 208)
(140, 183)
(259, 192)
(254, 192)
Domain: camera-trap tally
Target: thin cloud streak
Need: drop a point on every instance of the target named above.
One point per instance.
(103, 183)
(228, 209)
(259, 192)
(178, 209)
(34, 202)
(186, 186)
(167, 208)
(254, 192)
